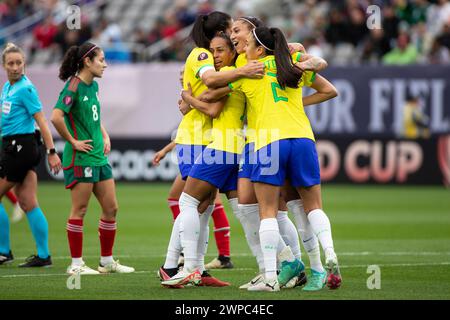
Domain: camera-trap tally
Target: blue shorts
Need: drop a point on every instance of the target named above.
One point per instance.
(217, 167)
(293, 159)
(247, 162)
(186, 155)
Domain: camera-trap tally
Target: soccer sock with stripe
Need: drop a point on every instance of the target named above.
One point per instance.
(107, 234)
(248, 215)
(189, 229)
(269, 235)
(39, 229)
(174, 248)
(221, 230)
(174, 207)
(202, 245)
(5, 245)
(322, 229)
(289, 233)
(309, 239)
(75, 236)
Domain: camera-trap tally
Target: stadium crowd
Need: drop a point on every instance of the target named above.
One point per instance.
(412, 31)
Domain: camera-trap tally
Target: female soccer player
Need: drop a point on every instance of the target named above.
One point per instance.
(21, 109)
(217, 167)
(76, 117)
(248, 207)
(193, 133)
(284, 148)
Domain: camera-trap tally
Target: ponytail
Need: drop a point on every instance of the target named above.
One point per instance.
(288, 75)
(73, 61)
(198, 32)
(207, 26)
(274, 43)
(69, 66)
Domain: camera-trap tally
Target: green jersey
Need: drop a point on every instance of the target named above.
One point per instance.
(81, 107)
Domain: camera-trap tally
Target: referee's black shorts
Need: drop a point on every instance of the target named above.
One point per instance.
(19, 154)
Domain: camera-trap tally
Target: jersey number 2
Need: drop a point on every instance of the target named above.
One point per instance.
(277, 97)
(94, 112)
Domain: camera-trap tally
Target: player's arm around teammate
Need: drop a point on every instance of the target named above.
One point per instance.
(21, 109)
(77, 119)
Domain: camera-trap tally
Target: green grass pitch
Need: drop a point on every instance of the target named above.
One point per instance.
(403, 230)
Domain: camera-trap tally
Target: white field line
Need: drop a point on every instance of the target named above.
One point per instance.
(390, 265)
(360, 253)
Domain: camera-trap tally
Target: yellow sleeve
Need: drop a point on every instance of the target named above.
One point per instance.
(296, 57)
(202, 58)
(308, 78)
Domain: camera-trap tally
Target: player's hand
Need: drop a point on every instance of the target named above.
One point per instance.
(186, 93)
(83, 145)
(106, 145)
(161, 154)
(184, 107)
(296, 47)
(54, 162)
(253, 69)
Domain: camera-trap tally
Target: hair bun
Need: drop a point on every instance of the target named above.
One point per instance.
(10, 45)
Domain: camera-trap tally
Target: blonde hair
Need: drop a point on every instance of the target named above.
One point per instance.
(11, 48)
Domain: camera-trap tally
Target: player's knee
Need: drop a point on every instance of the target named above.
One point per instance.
(27, 204)
(111, 211)
(79, 211)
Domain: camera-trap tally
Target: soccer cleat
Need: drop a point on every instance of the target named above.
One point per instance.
(35, 261)
(289, 270)
(297, 281)
(182, 278)
(220, 263)
(268, 286)
(209, 281)
(6, 258)
(316, 281)
(115, 267)
(259, 278)
(164, 274)
(17, 213)
(334, 278)
(83, 270)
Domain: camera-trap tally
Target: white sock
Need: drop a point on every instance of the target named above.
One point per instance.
(248, 215)
(309, 239)
(322, 229)
(106, 260)
(77, 262)
(202, 245)
(269, 235)
(189, 230)
(289, 233)
(174, 248)
(286, 255)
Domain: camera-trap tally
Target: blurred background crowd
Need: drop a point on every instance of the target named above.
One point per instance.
(130, 31)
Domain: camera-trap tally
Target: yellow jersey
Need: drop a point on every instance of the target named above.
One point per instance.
(195, 127)
(273, 113)
(251, 125)
(227, 128)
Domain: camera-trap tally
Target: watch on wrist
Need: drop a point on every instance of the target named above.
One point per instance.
(51, 151)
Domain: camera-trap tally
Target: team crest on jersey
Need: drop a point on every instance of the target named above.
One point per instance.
(202, 56)
(67, 100)
(88, 172)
